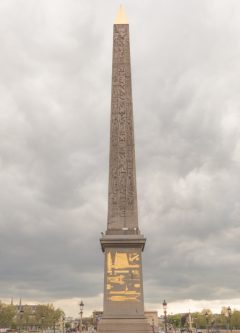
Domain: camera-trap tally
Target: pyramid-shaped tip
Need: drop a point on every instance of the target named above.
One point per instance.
(121, 16)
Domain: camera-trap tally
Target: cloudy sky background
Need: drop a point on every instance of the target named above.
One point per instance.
(55, 65)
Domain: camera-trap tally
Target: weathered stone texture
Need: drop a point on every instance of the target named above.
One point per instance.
(122, 198)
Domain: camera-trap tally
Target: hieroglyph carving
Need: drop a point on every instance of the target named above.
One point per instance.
(122, 175)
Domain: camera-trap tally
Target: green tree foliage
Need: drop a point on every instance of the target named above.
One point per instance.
(200, 320)
(235, 320)
(41, 316)
(67, 325)
(47, 316)
(175, 320)
(7, 314)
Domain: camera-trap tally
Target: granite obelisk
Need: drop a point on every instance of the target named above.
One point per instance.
(122, 243)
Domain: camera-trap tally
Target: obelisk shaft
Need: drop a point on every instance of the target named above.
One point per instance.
(122, 197)
(122, 244)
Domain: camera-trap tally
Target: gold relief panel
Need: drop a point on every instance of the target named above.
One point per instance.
(123, 276)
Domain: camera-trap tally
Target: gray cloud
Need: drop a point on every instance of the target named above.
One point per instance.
(54, 130)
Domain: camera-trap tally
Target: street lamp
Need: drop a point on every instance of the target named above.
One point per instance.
(97, 321)
(153, 325)
(21, 312)
(63, 319)
(165, 315)
(175, 325)
(190, 322)
(207, 320)
(229, 311)
(42, 319)
(81, 305)
(195, 322)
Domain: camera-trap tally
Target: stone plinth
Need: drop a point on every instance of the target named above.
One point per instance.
(124, 325)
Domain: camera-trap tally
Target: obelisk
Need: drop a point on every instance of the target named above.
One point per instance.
(122, 243)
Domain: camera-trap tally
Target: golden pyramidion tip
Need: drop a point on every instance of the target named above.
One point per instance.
(121, 16)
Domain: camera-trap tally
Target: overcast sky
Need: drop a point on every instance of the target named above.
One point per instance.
(55, 91)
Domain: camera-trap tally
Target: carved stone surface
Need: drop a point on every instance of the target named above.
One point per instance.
(122, 199)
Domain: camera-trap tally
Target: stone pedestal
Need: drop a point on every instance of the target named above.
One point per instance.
(123, 285)
(124, 325)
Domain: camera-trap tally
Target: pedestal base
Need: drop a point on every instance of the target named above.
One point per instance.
(124, 325)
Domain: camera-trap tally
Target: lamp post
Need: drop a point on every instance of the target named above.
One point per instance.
(195, 322)
(81, 305)
(175, 325)
(42, 319)
(190, 322)
(97, 321)
(207, 320)
(153, 325)
(165, 315)
(63, 319)
(21, 312)
(229, 311)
